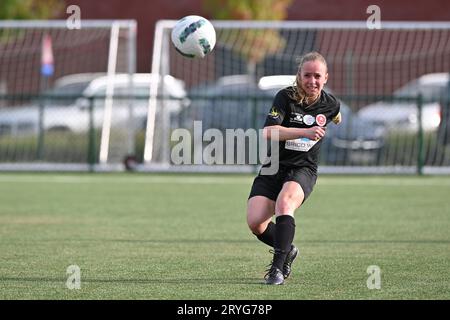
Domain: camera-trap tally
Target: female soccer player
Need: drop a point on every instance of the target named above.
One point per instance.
(300, 114)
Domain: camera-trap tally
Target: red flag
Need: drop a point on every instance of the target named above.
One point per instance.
(47, 63)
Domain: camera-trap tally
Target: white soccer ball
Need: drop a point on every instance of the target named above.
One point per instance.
(194, 36)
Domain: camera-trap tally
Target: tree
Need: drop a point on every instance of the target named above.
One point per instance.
(252, 45)
(247, 9)
(30, 9)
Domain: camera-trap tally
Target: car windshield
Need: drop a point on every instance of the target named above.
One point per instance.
(428, 91)
(72, 90)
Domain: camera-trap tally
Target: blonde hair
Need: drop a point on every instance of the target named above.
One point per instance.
(298, 94)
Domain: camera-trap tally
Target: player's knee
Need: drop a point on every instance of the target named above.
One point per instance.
(255, 227)
(287, 204)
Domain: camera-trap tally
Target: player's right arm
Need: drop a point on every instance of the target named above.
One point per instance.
(284, 133)
(275, 119)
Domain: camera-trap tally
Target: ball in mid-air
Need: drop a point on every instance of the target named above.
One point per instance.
(194, 36)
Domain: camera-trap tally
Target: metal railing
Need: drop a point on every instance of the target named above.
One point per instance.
(66, 129)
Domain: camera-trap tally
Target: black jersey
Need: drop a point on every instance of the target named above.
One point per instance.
(286, 112)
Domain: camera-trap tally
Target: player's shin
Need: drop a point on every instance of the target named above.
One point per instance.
(268, 236)
(284, 235)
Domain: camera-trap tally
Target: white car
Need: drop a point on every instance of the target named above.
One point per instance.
(354, 140)
(403, 115)
(238, 102)
(68, 108)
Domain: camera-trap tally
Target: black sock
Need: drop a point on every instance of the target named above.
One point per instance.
(284, 235)
(268, 236)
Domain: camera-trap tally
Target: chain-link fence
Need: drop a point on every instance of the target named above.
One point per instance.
(405, 134)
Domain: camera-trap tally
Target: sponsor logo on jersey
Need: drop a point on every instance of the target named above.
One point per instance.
(296, 117)
(300, 144)
(321, 120)
(308, 119)
(274, 113)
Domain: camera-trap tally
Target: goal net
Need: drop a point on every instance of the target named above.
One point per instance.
(392, 82)
(56, 88)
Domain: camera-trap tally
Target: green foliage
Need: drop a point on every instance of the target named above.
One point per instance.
(252, 45)
(247, 9)
(30, 9)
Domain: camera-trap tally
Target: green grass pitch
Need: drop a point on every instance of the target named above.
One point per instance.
(147, 236)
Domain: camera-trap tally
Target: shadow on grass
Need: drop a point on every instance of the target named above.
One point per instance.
(228, 241)
(208, 281)
(424, 241)
(150, 241)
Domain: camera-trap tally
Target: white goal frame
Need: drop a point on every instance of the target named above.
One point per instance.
(128, 27)
(161, 66)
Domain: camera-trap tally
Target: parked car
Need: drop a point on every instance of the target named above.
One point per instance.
(354, 140)
(71, 114)
(403, 115)
(238, 102)
(229, 103)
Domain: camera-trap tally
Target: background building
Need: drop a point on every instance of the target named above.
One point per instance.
(146, 13)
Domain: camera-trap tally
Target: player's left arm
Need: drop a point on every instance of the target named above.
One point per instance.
(337, 118)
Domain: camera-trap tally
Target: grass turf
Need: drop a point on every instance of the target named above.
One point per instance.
(142, 236)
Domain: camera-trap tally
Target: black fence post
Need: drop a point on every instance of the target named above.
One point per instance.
(40, 137)
(91, 136)
(255, 127)
(420, 151)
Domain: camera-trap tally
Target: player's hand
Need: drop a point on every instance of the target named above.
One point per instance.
(315, 133)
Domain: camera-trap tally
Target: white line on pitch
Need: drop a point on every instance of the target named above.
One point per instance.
(247, 180)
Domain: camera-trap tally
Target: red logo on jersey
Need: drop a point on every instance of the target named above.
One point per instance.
(321, 120)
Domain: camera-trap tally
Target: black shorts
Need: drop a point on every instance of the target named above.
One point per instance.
(270, 186)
